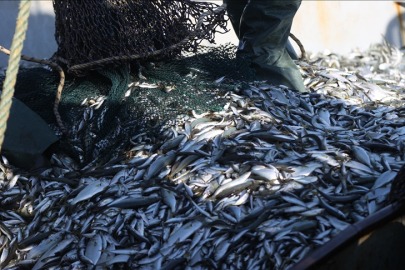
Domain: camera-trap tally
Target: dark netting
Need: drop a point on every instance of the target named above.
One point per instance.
(101, 113)
(90, 30)
(172, 77)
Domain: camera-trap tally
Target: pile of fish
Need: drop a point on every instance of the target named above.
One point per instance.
(257, 185)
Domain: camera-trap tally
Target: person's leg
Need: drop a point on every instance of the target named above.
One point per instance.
(235, 10)
(264, 29)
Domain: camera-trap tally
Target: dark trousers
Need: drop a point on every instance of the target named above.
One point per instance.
(263, 27)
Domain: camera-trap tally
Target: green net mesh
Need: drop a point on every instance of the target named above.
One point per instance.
(102, 112)
(171, 76)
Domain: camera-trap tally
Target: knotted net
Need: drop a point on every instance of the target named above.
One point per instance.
(117, 31)
(106, 45)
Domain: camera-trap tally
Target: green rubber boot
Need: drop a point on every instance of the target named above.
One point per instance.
(263, 27)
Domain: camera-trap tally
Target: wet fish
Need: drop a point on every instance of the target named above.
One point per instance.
(256, 185)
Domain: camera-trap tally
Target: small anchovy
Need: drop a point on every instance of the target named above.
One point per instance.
(134, 202)
(184, 232)
(45, 245)
(384, 179)
(331, 210)
(361, 155)
(240, 183)
(294, 200)
(340, 198)
(158, 165)
(89, 191)
(169, 198)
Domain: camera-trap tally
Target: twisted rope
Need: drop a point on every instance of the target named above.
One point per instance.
(60, 86)
(13, 65)
(303, 53)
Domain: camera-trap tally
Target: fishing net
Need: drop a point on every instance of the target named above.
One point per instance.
(101, 113)
(117, 31)
(99, 109)
(172, 74)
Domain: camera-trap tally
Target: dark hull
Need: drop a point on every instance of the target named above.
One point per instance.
(377, 242)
